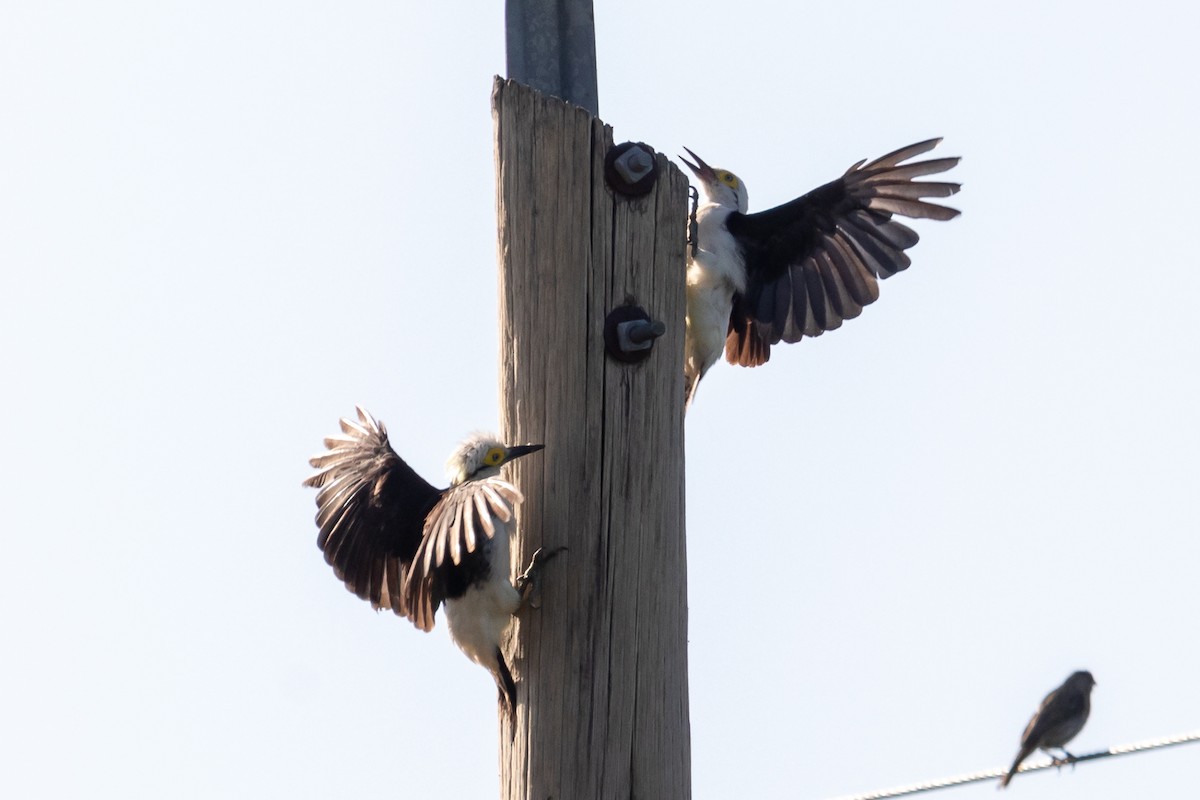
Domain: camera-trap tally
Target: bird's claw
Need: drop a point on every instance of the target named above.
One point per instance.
(527, 581)
(694, 195)
(1059, 762)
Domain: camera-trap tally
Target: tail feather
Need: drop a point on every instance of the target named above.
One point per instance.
(693, 383)
(1022, 754)
(507, 688)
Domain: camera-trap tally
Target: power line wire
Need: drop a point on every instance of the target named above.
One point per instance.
(992, 774)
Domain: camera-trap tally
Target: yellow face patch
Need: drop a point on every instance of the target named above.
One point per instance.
(727, 178)
(494, 457)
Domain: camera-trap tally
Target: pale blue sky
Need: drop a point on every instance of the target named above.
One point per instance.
(224, 224)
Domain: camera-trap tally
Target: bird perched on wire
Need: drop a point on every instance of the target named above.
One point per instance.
(1058, 719)
(801, 268)
(402, 544)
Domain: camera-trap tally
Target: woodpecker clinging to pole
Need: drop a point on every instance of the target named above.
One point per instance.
(400, 543)
(801, 268)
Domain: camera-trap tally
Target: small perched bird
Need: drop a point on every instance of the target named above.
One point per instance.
(400, 543)
(801, 268)
(1058, 719)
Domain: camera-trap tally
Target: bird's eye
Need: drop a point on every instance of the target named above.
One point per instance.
(729, 178)
(494, 457)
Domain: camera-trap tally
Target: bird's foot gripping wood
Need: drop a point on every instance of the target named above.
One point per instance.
(527, 582)
(693, 226)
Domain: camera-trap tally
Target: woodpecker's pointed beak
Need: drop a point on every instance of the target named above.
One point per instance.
(702, 170)
(522, 450)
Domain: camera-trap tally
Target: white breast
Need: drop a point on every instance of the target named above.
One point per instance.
(714, 273)
(478, 619)
(717, 260)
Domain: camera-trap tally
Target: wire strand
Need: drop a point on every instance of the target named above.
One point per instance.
(992, 774)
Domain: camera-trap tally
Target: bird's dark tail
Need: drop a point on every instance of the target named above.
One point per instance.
(508, 690)
(746, 343)
(1022, 754)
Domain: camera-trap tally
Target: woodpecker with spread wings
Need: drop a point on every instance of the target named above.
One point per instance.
(801, 268)
(402, 544)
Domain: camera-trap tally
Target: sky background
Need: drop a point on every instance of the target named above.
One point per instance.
(223, 224)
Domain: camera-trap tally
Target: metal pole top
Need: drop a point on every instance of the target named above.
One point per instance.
(551, 47)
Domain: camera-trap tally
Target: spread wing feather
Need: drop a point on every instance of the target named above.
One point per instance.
(371, 508)
(815, 262)
(451, 534)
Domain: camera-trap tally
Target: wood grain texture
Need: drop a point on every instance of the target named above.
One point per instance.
(602, 666)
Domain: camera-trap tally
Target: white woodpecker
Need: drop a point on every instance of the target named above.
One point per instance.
(402, 544)
(801, 268)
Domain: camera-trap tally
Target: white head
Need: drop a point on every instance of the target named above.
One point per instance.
(481, 455)
(720, 186)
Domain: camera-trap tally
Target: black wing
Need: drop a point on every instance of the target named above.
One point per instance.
(371, 511)
(452, 554)
(1058, 708)
(813, 262)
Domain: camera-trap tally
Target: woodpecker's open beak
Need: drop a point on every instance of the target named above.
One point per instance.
(702, 171)
(522, 450)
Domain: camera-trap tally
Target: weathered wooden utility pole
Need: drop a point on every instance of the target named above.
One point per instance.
(602, 665)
